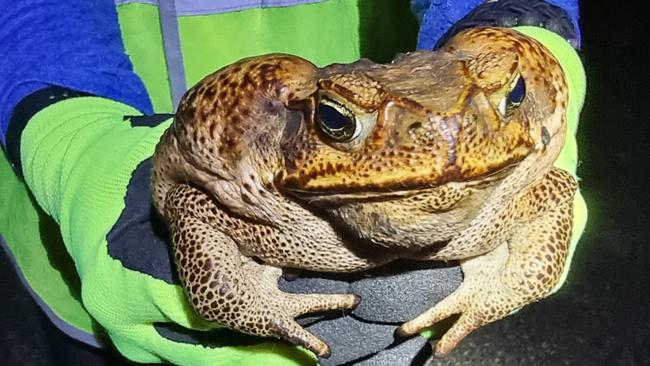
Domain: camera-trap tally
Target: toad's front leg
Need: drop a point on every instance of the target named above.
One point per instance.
(522, 269)
(234, 290)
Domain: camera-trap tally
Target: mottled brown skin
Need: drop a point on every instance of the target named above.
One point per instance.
(438, 168)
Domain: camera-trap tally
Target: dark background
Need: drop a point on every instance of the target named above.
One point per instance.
(600, 315)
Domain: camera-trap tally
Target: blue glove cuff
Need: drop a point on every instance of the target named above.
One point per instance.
(438, 17)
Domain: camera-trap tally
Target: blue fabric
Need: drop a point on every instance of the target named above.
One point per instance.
(437, 16)
(72, 43)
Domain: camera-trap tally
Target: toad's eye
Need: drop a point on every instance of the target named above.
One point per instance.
(514, 97)
(336, 121)
(517, 93)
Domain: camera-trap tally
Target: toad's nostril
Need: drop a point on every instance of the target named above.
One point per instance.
(414, 128)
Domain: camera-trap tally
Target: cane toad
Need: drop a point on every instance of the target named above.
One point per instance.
(274, 163)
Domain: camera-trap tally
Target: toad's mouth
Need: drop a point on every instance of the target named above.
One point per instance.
(335, 198)
(341, 195)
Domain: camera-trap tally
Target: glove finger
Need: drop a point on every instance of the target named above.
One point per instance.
(173, 304)
(143, 343)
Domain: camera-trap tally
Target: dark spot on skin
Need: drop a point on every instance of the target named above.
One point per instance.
(414, 127)
(246, 199)
(546, 136)
(224, 289)
(235, 102)
(233, 85)
(248, 81)
(272, 106)
(267, 68)
(189, 112)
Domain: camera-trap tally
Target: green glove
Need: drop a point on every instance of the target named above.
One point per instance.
(568, 158)
(78, 158)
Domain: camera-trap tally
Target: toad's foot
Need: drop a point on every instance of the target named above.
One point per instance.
(481, 298)
(523, 269)
(232, 289)
(274, 311)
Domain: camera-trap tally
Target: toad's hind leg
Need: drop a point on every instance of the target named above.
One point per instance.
(234, 290)
(523, 269)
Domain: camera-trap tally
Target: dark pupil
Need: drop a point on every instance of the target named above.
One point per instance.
(517, 93)
(333, 122)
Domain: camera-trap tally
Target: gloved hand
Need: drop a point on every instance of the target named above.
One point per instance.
(83, 161)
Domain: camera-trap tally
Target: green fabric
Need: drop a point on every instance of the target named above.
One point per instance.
(323, 33)
(36, 245)
(568, 158)
(140, 28)
(78, 156)
(212, 41)
(386, 27)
